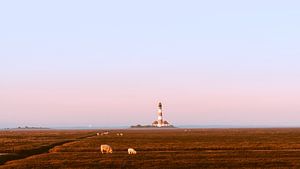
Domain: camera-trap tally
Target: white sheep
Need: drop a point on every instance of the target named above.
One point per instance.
(119, 134)
(131, 151)
(105, 149)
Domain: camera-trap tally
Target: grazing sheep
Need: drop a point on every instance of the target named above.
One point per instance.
(131, 151)
(105, 149)
(121, 134)
(98, 134)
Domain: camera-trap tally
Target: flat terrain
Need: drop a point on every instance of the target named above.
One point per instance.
(167, 149)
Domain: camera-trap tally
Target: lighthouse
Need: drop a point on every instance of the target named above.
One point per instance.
(160, 117)
(160, 121)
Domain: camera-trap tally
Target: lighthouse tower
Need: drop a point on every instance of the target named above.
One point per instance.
(160, 121)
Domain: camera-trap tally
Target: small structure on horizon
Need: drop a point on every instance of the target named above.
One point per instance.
(160, 121)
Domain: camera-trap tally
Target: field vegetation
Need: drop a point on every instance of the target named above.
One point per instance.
(174, 148)
(15, 144)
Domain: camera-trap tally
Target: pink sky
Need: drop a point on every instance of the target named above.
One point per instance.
(102, 63)
(75, 102)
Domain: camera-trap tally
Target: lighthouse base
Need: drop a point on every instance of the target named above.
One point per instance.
(151, 126)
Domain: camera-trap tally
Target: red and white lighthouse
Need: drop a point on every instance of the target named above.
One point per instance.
(160, 117)
(160, 122)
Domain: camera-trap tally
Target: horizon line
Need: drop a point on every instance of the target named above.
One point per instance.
(216, 126)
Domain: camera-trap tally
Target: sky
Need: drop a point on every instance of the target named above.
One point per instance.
(109, 63)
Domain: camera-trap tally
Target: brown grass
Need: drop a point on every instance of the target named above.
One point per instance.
(20, 144)
(15, 141)
(199, 148)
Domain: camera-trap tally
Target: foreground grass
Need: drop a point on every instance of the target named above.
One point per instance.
(201, 148)
(18, 144)
(15, 141)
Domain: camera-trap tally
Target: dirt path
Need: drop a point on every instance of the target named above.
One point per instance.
(40, 150)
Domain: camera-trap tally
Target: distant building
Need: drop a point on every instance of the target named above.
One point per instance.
(160, 122)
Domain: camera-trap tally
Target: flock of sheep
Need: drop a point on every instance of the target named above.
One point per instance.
(106, 149)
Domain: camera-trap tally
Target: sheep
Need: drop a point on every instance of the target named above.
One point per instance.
(105, 149)
(98, 134)
(119, 134)
(131, 151)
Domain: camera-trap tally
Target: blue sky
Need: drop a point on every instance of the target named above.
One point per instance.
(210, 62)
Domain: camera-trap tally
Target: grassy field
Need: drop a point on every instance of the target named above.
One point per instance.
(172, 148)
(14, 141)
(15, 144)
